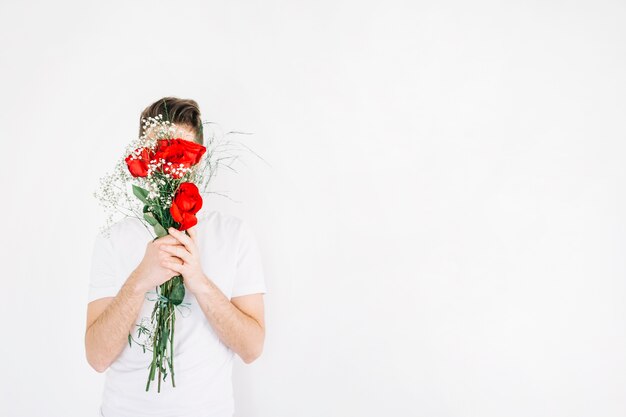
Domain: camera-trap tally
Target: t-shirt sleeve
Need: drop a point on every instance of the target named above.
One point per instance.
(250, 276)
(103, 274)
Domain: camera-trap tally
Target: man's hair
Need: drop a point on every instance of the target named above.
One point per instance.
(178, 111)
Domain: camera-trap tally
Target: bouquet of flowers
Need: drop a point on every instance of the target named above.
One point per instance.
(166, 174)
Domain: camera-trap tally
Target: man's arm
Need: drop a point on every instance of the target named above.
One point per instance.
(109, 320)
(239, 323)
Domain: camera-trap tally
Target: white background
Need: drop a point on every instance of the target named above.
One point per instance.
(441, 214)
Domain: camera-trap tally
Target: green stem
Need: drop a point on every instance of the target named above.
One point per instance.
(164, 318)
(154, 350)
(172, 345)
(159, 335)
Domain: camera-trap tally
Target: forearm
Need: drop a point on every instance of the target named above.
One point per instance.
(107, 335)
(237, 330)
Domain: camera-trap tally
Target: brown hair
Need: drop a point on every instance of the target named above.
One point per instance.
(178, 111)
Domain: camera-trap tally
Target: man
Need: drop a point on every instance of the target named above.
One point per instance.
(222, 270)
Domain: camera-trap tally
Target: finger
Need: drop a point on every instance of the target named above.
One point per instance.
(174, 266)
(184, 239)
(179, 251)
(192, 234)
(167, 239)
(172, 258)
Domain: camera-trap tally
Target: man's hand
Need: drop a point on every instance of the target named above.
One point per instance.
(153, 269)
(239, 324)
(184, 258)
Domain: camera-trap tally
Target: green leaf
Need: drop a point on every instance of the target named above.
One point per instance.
(129, 340)
(140, 193)
(162, 339)
(150, 218)
(178, 293)
(159, 230)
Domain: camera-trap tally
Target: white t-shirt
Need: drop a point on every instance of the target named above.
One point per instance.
(202, 363)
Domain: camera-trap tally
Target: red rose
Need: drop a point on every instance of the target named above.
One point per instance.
(137, 162)
(178, 151)
(187, 202)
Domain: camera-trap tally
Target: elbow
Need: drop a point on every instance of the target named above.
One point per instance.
(97, 366)
(252, 355)
(100, 368)
(248, 359)
(94, 358)
(255, 348)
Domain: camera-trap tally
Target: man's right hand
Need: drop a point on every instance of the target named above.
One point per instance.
(150, 271)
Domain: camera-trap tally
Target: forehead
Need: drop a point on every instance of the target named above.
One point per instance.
(180, 131)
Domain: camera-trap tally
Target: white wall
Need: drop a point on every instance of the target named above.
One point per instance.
(441, 216)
